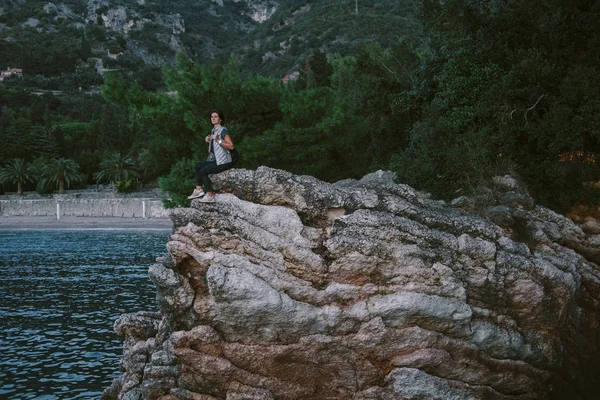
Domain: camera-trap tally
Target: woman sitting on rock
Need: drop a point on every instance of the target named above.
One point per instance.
(219, 159)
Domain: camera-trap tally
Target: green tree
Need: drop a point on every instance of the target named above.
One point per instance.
(116, 168)
(178, 183)
(60, 172)
(79, 141)
(23, 139)
(174, 124)
(378, 90)
(316, 71)
(159, 118)
(312, 138)
(17, 171)
(493, 103)
(85, 50)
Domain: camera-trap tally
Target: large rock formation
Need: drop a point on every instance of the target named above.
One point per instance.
(292, 288)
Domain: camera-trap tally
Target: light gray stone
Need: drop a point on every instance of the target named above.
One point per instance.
(288, 287)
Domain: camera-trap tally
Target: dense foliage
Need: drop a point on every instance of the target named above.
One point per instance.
(469, 90)
(509, 86)
(297, 28)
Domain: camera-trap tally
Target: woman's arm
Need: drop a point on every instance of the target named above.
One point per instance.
(226, 142)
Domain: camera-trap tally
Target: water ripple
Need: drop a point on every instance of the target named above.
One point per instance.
(61, 292)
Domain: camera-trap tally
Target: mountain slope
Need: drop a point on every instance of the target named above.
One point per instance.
(270, 37)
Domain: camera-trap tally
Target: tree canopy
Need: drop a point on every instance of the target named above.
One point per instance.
(509, 87)
(486, 88)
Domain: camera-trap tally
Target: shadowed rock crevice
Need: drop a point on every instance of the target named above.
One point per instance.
(364, 289)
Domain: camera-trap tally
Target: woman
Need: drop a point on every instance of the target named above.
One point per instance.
(219, 159)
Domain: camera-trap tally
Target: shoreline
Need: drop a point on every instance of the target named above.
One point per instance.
(83, 223)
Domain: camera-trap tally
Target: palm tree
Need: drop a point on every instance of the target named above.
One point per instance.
(61, 172)
(19, 171)
(116, 168)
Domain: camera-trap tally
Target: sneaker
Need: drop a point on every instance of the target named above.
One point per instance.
(207, 199)
(196, 194)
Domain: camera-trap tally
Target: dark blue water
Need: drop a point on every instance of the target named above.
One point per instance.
(60, 293)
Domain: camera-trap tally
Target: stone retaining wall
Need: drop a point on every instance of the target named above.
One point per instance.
(85, 207)
(104, 193)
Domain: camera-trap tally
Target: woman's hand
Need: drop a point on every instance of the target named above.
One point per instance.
(207, 139)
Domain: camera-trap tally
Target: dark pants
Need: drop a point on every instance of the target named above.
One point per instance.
(205, 168)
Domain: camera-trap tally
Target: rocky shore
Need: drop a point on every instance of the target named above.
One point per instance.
(292, 288)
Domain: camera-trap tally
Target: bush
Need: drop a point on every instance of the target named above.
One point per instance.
(127, 186)
(179, 183)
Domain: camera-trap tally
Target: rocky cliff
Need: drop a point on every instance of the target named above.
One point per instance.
(292, 288)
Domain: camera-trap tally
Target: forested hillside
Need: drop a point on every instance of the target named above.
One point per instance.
(270, 37)
(446, 94)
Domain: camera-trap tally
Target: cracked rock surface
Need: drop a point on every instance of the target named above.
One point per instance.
(292, 288)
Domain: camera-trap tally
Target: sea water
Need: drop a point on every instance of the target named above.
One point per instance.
(60, 294)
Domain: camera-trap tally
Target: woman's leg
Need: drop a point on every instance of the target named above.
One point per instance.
(197, 168)
(208, 169)
(198, 192)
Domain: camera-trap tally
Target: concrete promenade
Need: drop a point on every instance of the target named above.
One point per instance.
(46, 222)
